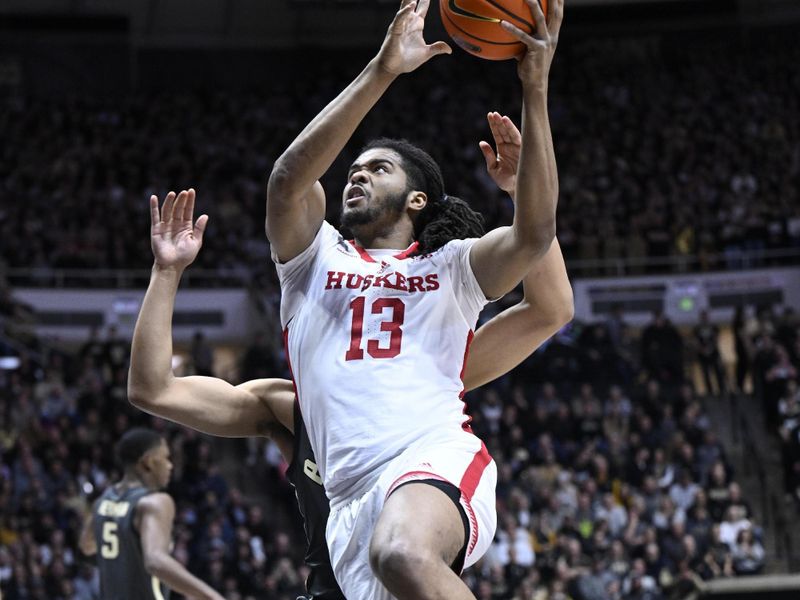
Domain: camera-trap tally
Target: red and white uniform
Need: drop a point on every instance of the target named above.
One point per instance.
(377, 342)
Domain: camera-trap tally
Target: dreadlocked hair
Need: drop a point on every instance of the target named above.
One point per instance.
(444, 217)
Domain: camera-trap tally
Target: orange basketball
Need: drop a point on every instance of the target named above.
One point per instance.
(475, 25)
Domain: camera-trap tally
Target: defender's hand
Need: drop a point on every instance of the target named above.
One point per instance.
(502, 165)
(174, 239)
(534, 64)
(404, 49)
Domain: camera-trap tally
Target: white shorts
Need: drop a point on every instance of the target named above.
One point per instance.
(463, 462)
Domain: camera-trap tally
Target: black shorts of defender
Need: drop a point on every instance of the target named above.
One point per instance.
(455, 495)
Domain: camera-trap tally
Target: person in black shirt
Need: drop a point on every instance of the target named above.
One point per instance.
(312, 502)
(706, 336)
(267, 407)
(130, 527)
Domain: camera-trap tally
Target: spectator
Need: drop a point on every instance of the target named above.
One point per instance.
(684, 491)
(662, 350)
(735, 520)
(748, 553)
(202, 355)
(706, 337)
(742, 348)
(116, 351)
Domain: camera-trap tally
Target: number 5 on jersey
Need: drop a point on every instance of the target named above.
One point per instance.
(110, 547)
(392, 325)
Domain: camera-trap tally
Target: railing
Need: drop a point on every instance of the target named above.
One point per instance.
(43, 277)
(723, 261)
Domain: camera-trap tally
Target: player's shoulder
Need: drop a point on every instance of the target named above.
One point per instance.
(327, 236)
(156, 502)
(330, 234)
(331, 239)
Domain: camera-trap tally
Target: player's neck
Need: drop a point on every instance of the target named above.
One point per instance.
(133, 479)
(389, 231)
(395, 238)
(384, 243)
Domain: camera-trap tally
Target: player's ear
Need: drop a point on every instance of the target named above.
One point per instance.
(416, 201)
(146, 462)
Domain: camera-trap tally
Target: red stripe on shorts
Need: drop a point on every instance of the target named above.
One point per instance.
(472, 476)
(469, 483)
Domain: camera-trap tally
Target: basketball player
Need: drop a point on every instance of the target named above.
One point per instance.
(216, 407)
(377, 328)
(131, 523)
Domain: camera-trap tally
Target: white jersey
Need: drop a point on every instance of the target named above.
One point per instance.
(377, 342)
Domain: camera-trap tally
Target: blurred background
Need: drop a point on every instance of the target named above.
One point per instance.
(651, 447)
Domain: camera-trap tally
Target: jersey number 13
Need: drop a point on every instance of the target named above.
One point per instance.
(392, 324)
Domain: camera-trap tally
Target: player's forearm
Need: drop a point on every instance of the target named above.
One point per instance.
(537, 178)
(311, 154)
(547, 290)
(86, 543)
(151, 351)
(177, 578)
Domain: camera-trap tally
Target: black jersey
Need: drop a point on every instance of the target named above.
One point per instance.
(119, 550)
(314, 508)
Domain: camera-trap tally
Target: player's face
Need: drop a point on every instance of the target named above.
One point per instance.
(160, 464)
(376, 190)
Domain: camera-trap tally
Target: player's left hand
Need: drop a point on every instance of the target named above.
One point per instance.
(174, 238)
(502, 165)
(404, 49)
(534, 64)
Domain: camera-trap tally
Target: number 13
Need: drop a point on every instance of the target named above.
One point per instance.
(393, 325)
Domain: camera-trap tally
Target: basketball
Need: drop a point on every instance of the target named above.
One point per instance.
(475, 25)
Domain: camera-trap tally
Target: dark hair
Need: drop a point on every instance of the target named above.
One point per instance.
(444, 217)
(135, 444)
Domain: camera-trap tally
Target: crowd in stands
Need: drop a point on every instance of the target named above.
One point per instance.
(60, 414)
(666, 149)
(612, 481)
(770, 348)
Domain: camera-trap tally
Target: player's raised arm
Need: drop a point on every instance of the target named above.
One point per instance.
(155, 515)
(295, 200)
(514, 248)
(547, 304)
(207, 404)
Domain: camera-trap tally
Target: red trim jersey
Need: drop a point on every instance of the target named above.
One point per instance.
(376, 340)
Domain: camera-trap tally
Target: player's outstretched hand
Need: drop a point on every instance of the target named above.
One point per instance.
(534, 64)
(502, 164)
(174, 237)
(404, 49)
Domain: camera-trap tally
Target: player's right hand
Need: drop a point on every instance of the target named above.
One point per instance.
(404, 49)
(534, 63)
(174, 238)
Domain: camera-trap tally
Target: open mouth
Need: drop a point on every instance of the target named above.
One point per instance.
(355, 195)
